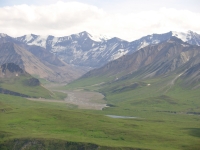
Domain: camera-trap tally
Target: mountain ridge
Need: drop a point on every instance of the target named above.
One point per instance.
(67, 55)
(80, 49)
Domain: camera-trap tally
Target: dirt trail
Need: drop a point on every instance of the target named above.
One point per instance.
(83, 99)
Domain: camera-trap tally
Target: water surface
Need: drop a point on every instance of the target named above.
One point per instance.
(122, 117)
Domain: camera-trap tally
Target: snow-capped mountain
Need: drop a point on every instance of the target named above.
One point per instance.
(189, 37)
(32, 39)
(84, 49)
(172, 57)
(80, 49)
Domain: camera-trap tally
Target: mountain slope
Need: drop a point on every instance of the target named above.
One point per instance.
(11, 52)
(16, 81)
(10, 70)
(170, 57)
(40, 52)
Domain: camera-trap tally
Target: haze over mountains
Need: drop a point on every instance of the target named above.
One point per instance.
(67, 58)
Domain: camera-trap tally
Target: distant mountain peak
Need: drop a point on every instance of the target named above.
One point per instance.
(190, 31)
(83, 33)
(3, 35)
(181, 35)
(32, 39)
(189, 36)
(94, 37)
(99, 38)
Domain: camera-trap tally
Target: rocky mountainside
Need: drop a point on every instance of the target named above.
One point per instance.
(40, 52)
(10, 70)
(171, 56)
(13, 53)
(83, 49)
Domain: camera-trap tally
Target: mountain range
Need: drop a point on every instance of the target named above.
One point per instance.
(83, 49)
(67, 58)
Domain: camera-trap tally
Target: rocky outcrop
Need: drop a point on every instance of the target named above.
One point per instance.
(32, 82)
(9, 70)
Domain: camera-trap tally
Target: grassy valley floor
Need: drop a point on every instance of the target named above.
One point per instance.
(43, 122)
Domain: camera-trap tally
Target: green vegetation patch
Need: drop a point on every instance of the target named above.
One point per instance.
(38, 120)
(167, 116)
(22, 85)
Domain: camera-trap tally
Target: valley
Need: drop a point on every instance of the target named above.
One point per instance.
(162, 121)
(147, 99)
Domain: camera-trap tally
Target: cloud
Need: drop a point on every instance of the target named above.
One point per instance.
(65, 18)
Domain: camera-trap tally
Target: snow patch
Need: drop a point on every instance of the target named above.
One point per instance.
(28, 38)
(54, 41)
(39, 41)
(99, 38)
(183, 36)
(184, 45)
(156, 42)
(143, 44)
(2, 35)
(119, 53)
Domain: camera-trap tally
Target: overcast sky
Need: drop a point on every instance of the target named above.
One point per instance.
(126, 19)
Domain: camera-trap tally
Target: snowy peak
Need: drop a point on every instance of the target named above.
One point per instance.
(46, 41)
(189, 37)
(32, 39)
(83, 34)
(99, 38)
(95, 38)
(181, 35)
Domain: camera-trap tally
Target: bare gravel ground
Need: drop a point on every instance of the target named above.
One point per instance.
(83, 99)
